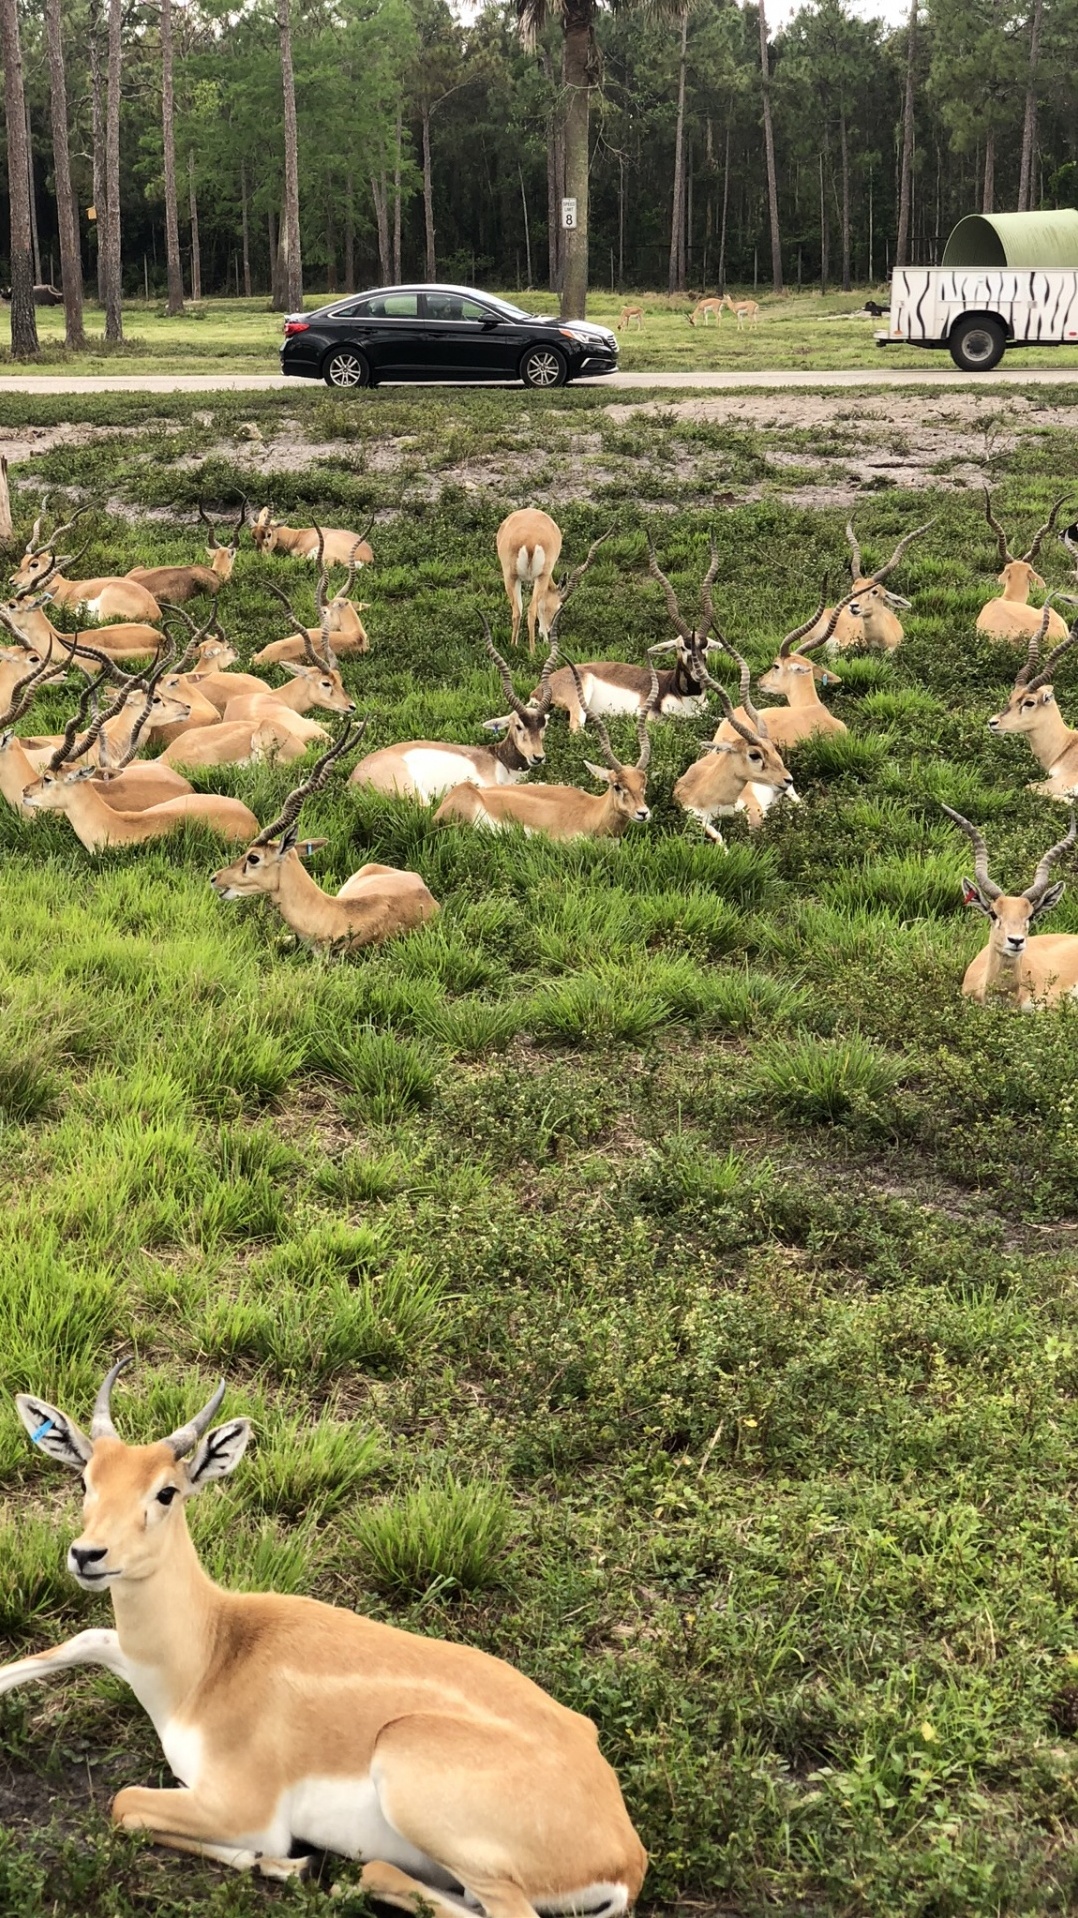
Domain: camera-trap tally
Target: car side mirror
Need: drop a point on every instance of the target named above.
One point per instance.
(491, 319)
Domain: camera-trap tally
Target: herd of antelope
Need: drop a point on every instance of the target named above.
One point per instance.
(191, 703)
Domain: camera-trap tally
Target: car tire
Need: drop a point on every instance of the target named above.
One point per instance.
(346, 369)
(977, 344)
(544, 367)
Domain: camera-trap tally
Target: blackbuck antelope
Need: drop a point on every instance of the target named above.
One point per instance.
(742, 773)
(425, 769)
(462, 1785)
(26, 617)
(612, 686)
(793, 675)
(628, 315)
(340, 630)
(565, 812)
(1009, 616)
(1032, 710)
(331, 543)
(377, 903)
(110, 596)
(175, 585)
(866, 615)
(1031, 972)
(742, 310)
(706, 310)
(130, 788)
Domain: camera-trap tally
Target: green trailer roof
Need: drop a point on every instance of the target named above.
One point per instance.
(1015, 239)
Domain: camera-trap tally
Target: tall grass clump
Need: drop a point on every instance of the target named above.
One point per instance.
(440, 1538)
(816, 1081)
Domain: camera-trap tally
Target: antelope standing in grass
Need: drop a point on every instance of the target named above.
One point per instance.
(565, 812)
(706, 310)
(339, 626)
(743, 310)
(743, 773)
(377, 903)
(461, 1784)
(1032, 710)
(330, 543)
(1009, 616)
(866, 615)
(1031, 972)
(529, 546)
(793, 675)
(613, 686)
(110, 596)
(628, 315)
(425, 769)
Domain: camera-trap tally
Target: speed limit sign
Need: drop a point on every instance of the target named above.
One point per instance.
(568, 213)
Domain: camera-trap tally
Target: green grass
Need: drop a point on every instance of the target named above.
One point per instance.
(653, 1272)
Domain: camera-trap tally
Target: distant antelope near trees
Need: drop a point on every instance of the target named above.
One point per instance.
(630, 315)
(706, 310)
(332, 543)
(1031, 972)
(743, 310)
(1009, 616)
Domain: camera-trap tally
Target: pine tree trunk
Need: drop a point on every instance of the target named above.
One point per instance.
(676, 270)
(430, 262)
(769, 155)
(905, 189)
(70, 251)
(245, 230)
(97, 121)
(397, 204)
(31, 200)
(1029, 124)
(577, 81)
(988, 197)
(290, 241)
(725, 210)
(23, 316)
(845, 151)
(553, 211)
(110, 233)
(349, 237)
(196, 250)
(825, 236)
(174, 264)
(381, 217)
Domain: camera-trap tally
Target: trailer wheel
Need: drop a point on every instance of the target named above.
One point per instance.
(977, 344)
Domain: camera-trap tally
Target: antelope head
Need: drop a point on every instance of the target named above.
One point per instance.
(1017, 574)
(1033, 693)
(134, 1495)
(693, 643)
(525, 724)
(261, 867)
(264, 530)
(1011, 914)
(760, 763)
(627, 784)
(792, 662)
(868, 588)
(222, 558)
(41, 559)
(327, 686)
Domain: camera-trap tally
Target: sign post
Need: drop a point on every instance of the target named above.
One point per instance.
(568, 215)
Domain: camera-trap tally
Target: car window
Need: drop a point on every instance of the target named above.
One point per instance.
(387, 306)
(454, 306)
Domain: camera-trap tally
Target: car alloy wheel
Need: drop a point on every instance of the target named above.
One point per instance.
(346, 369)
(543, 367)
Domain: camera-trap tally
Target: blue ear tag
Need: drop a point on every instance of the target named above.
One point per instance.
(42, 1431)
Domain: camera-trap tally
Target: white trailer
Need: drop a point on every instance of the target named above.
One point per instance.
(1007, 279)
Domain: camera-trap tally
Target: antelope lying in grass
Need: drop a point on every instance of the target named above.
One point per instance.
(339, 626)
(1009, 616)
(463, 1785)
(175, 585)
(109, 597)
(1032, 972)
(129, 788)
(793, 675)
(16, 663)
(565, 812)
(377, 903)
(238, 742)
(425, 769)
(743, 773)
(612, 686)
(27, 618)
(331, 543)
(1032, 710)
(866, 615)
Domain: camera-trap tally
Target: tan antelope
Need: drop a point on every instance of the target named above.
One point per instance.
(109, 597)
(175, 585)
(331, 543)
(529, 546)
(866, 615)
(340, 630)
(565, 812)
(1032, 710)
(793, 675)
(706, 310)
(27, 618)
(613, 686)
(743, 310)
(98, 824)
(1031, 972)
(461, 1785)
(124, 787)
(734, 775)
(223, 558)
(425, 769)
(1009, 616)
(238, 742)
(377, 903)
(15, 663)
(628, 315)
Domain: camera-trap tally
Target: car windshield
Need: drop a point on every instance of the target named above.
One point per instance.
(510, 312)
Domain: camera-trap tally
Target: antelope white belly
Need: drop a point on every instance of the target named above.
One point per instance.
(684, 705)
(183, 1748)
(344, 1815)
(91, 606)
(765, 796)
(600, 697)
(433, 771)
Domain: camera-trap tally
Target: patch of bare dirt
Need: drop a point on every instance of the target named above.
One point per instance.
(20, 443)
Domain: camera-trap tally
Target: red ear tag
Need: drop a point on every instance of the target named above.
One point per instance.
(970, 895)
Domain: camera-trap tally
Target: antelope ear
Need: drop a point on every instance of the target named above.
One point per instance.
(497, 725)
(53, 1432)
(599, 772)
(1049, 899)
(297, 668)
(825, 678)
(83, 772)
(305, 847)
(664, 646)
(973, 896)
(219, 1453)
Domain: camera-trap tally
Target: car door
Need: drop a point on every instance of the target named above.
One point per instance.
(466, 339)
(389, 329)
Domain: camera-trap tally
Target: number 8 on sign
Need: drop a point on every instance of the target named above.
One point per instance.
(568, 213)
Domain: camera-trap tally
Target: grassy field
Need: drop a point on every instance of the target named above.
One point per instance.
(805, 330)
(654, 1271)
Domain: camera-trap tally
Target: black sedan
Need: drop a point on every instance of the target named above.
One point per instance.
(440, 333)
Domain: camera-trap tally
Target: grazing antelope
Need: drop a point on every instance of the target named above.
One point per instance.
(463, 1785)
(425, 769)
(740, 774)
(1009, 616)
(628, 315)
(339, 622)
(109, 597)
(529, 546)
(1032, 710)
(866, 617)
(612, 686)
(706, 310)
(377, 903)
(331, 543)
(743, 310)
(1031, 972)
(793, 676)
(565, 812)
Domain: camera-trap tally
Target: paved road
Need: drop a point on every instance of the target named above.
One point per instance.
(930, 375)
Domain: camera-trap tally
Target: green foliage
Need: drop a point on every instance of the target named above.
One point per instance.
(442, 1538)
